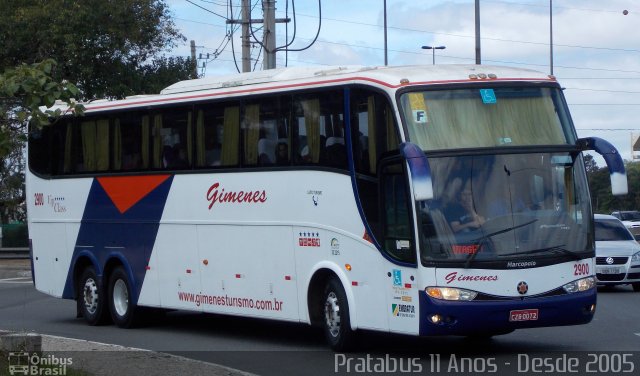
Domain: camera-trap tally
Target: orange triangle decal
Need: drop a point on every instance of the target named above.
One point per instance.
(126, 191)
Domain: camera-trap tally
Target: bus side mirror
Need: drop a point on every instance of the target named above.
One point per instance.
(614, 161)
(419, 170)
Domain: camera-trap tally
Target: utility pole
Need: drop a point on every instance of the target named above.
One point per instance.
(269, 33)
(193, 59)
(246, 44)
(478, 59)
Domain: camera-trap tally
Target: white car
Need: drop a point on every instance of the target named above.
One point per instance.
(631, 219)
(617, 253)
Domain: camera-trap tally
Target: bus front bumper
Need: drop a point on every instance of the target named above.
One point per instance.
(441, 317)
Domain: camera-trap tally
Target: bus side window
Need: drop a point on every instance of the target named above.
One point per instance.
(265, 132)
(397, 224)
(319, 127)
(172, 140)
(128, 144)
(374, 129)
(217, 129)
(373, 134)
(89, 139)
(47, 147)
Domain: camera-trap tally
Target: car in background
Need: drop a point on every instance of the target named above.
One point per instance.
(631, 219)
(617, 253)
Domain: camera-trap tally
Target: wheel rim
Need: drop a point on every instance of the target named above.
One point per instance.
(90, 295)
(120, 297)
(332, 314)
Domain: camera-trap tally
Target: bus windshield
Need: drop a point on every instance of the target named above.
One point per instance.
(486, 117)
(506, 207)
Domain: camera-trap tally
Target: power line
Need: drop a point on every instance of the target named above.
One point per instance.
(215, 3)
(472, 36)
(208, 10)
(604, 90)
(604, 104)
(607, 129)
(555, 6)
(198, 22)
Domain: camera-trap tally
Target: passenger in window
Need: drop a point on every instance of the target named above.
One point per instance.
(167, 156)
(282, 154)
(213, 151)
(131, 161)
(305, 156)
(179, 160)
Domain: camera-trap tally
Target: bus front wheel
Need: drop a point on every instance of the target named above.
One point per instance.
(335, 317)
(91, 297)
(121, 305)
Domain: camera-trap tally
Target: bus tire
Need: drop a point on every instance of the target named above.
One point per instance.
(336, 322)
(92, 297)
(121, 307)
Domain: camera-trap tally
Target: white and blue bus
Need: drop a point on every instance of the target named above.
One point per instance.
(448, 200)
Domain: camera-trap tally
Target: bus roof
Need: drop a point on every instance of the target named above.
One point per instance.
(389, 77)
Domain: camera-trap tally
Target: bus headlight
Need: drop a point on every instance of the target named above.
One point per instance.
(450, 293)
(583, 284)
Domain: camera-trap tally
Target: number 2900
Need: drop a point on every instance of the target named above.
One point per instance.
(581, 269)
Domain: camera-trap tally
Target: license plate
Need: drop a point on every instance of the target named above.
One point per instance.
(609, 271)
(524, 315)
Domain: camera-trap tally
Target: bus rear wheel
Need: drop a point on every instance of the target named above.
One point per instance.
(91, 297)
(335, 317)
(121, 305)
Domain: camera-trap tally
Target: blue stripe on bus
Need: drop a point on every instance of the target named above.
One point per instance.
(106, 234)
(484, 317)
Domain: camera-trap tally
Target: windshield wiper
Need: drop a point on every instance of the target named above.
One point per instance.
(556, 248)
(484, 238)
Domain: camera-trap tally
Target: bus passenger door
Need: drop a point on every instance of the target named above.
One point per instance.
(399, 245)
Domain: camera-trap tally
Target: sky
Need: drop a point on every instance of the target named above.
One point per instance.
(596, 46)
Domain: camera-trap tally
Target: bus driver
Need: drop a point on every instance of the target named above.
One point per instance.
(461, 214)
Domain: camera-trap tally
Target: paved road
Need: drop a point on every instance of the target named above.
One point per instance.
(274, 348)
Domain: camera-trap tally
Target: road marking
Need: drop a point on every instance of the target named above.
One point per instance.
(16, 280)
(638, 334)
(13, 279)
(113, 346)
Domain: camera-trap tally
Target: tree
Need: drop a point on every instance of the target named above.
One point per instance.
(24, 92)
(104, 46)
(590, 163)
(600, 187)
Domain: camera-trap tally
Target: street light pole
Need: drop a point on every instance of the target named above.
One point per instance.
(433, 51)
(386, 59)
(551, 36)
(478, 58)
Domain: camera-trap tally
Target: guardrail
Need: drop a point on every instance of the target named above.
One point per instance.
(14, 253)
